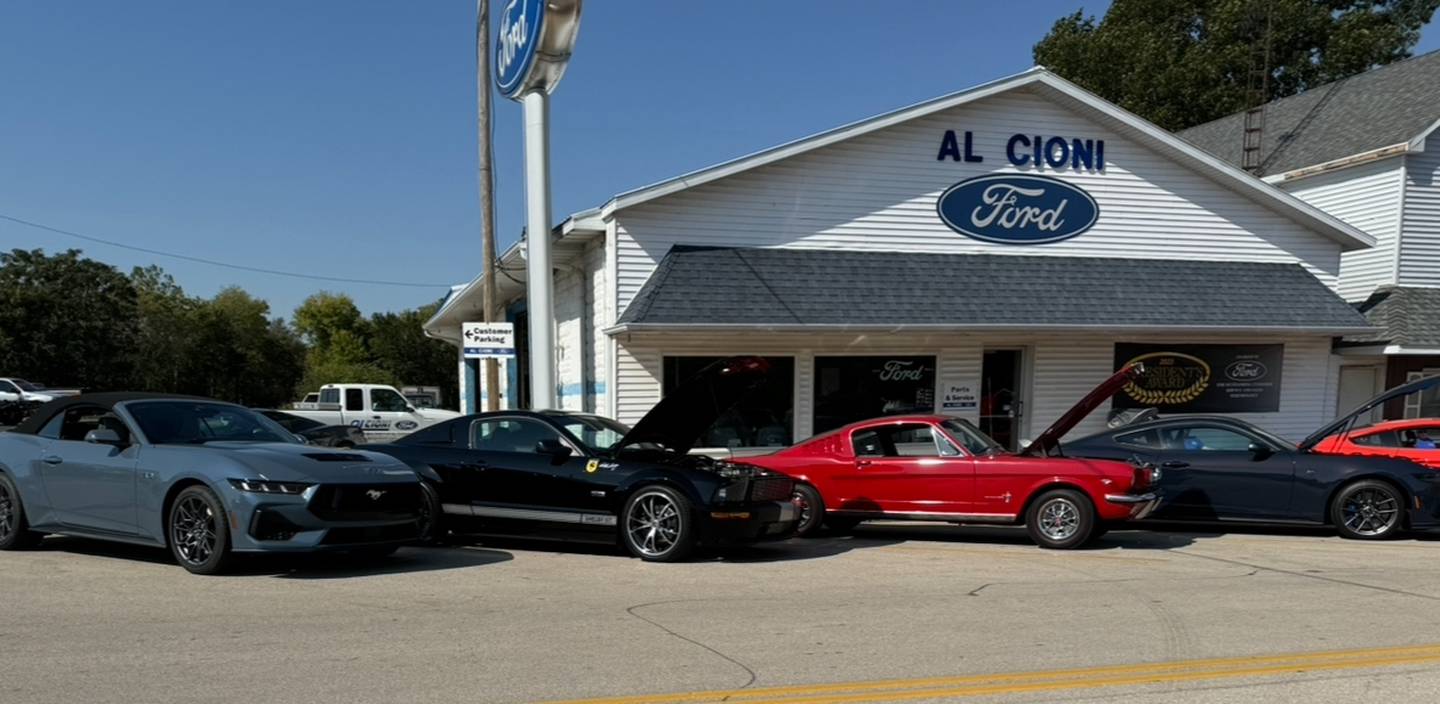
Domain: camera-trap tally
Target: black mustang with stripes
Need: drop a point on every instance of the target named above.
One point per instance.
(577, 476)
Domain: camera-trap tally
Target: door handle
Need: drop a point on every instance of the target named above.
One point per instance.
(476, 466)
(52, 459)
(864, 463)
(1174, 464)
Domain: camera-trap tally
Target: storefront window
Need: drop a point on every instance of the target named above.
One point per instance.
(848, 389)
(764, 419)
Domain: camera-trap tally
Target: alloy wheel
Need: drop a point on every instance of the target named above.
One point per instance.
(8, 514)
(653, 524)
(1370, 512)
(1059, 519)
(192, 530)
(802, 502)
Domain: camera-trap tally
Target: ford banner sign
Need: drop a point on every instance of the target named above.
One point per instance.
(1017, 209)
(533, 44)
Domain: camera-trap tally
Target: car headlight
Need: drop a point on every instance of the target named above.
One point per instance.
(265, 486)
(738, 471)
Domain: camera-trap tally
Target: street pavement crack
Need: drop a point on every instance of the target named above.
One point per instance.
(634, 611)
(1306, 575)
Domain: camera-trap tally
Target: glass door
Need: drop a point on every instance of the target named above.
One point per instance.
(1002, 406)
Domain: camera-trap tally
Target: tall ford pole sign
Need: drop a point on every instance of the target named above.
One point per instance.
(534, 44)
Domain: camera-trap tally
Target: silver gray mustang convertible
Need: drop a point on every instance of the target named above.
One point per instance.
(204, 478)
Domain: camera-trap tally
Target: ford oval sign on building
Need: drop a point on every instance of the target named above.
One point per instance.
(1017, 209)
(534, 44)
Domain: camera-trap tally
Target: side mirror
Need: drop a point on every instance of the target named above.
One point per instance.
(104, 436)
(1260, 451)
(554, 448)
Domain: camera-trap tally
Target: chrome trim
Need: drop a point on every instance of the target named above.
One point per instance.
(928, 516)
(1131, 498)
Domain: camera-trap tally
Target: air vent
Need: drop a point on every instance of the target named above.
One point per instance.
(336, 457)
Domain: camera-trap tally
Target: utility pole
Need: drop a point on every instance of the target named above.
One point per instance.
(487, 191)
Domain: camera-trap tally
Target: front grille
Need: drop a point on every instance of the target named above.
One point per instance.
(366, 502)
(374, 534)
(771, 488)
(271, 525)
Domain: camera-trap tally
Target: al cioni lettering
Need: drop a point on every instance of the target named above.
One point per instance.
(1034, 150)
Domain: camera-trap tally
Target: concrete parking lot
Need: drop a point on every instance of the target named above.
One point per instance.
(892, 613)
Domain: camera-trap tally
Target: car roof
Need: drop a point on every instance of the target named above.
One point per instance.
(1162, 423)
(106, 399)
(1401, 424)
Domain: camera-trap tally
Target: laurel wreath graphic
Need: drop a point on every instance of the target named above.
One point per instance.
(1169, 397)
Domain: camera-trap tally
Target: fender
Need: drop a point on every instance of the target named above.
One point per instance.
(670, 478)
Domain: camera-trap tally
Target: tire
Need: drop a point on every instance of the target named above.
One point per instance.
(658, 524)
(1061, 519)
(432, 529)
(812, 510)
(1368, 510)
(15, 533)
(1100, 531)
(197, 532)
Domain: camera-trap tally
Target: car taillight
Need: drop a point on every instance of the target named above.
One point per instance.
(1146, 476)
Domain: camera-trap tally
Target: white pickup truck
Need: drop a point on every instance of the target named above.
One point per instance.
(16, 389)
(378, 410)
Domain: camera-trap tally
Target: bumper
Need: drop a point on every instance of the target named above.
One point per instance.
(271, 523)
(1139, 505)
(771, 520)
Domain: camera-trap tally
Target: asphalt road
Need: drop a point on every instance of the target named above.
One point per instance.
(894, 613)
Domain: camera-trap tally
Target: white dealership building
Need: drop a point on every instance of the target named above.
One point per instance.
(990, 254)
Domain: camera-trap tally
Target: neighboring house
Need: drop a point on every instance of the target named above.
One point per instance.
(1364, 149)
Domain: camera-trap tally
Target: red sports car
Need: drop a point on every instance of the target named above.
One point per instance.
(1414, 439)
(937, 468)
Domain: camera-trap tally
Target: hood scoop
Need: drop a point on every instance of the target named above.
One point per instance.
(336, 457)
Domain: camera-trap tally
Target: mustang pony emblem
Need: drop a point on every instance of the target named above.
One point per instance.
(374, 494)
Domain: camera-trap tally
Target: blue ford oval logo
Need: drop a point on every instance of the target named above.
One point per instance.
(518, 40)
(1017, 209)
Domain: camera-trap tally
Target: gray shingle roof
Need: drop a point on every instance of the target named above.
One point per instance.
(1378, 108)
(795, 287)
(1405, 316)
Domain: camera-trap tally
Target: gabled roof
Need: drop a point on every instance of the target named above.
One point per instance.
(1404, 316)
(1392, 105)
(783, 288)
(1040, 80)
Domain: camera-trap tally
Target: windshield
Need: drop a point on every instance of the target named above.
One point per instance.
(596, 433)
(199, 422)
(971, 437)
(25, 384)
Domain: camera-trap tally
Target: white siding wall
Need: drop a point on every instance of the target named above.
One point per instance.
(1420, 243)
(878, 191)
(1062, 368)
(580, 295)
(1368, 197)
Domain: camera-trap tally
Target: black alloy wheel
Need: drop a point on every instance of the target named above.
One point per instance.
(432, 530)
(812, 509)
(1368, 510)
(658, 525)
(198, 533)
(1061, 519)
(15, 533)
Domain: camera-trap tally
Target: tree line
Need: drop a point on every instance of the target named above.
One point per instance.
(70, 321)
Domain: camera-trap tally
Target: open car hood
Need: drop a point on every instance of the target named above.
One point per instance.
(1335, 425)
(1049, 439)
(678, 420)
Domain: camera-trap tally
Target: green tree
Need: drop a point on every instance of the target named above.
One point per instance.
(399, 345)
(66, 320)
(240, 354)
(325, 314)
(1179, 63)
(162, 344)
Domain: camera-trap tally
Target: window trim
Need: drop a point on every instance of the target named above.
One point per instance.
(60, 437)
(1216, 426)
(937, 435)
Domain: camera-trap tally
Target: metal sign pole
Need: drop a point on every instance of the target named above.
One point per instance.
(537, 249)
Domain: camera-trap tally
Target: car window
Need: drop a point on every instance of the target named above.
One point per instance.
(387, 401)
(976, 442)
(79, 420)
(52, 427)
(908, 440)
(1204, 439)
(354, 399)
(9, 388)
(438, 434)
(1149, 439)
(1415, 438)
(597, 433)
(509, 434)
(294, 424)
(189, 422)
(330, 396)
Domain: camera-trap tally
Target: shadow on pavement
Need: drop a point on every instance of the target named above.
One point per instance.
(775, 551)
(1126, 538)
(296, 566)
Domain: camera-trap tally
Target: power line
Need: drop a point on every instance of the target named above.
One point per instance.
(212, 262)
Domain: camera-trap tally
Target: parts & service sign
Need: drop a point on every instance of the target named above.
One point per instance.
(1202, 378)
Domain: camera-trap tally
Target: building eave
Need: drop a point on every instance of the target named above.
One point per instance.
(628, 328)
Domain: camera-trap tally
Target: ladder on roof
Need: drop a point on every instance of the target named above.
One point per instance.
(1257, 90)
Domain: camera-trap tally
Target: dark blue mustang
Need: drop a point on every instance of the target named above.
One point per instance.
(1217, 468)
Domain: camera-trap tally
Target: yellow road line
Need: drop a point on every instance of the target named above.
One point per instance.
(1084, 678)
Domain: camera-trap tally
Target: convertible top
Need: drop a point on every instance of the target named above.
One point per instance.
(108, 399)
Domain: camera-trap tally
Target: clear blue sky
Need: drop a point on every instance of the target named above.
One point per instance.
(337, 136)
